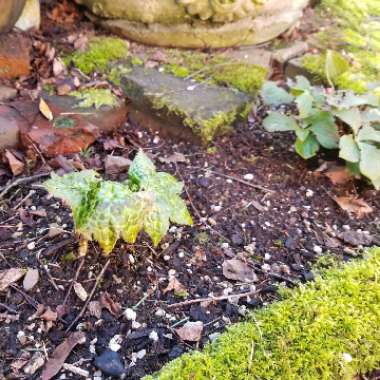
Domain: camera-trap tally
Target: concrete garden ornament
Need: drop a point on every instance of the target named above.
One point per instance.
(197, 23)
(22, 14)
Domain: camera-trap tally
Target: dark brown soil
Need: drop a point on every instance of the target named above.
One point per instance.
(279, 230)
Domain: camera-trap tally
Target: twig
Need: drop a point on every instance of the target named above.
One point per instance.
(79, 316)
(242, 181)
(30, 194)
(8, 308)
(213, 299)
(21, 181)
(74, 280)
(32, 302)
(51, 279)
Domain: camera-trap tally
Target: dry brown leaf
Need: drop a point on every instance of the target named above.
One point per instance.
(49, 315)
(9, 276)
(45, 110)
(16, 166)
(20, 363)
(31, 279)
(339, 175)
(95, 309)
(106, 302)
(354, 205)
(237, 270)
(62, 310)
(80, 291)
(35, 363)
(173, 158)
(191, 331)
(116, 164)
(175, 285)
(61, 353)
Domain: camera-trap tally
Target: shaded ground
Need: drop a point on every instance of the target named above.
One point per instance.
(278, 229)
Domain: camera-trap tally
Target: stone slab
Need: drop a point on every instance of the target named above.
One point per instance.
(10, 123)
(14, 56)
(183, 105)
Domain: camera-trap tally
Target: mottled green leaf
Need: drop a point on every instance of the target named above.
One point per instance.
(351, 117)
(349, 150)
(104, 211)
(274, 95)
(370, 163)
(369, 134)
(308, 148)
(277, 122)
(305, 104)
(325, 130)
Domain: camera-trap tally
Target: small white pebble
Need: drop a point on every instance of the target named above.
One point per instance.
(347, 357)
(317, 249)
(267, 256)
(130, 314)
(136, 325)
(154, 336)
(249, 177)
(31, 246)
(160, 313)
(266, 267)
(181, 254)
(166, 257)
(309, 193)
(171, 272)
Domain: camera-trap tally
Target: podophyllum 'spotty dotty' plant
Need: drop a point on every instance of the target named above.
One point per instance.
(104, 211)
(331, 119)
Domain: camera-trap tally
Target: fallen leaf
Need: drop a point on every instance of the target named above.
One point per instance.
(45, 110)
(356, 238)
(80, 291)
(9, 276)
(95, 309)
(173, 158)
(354, 205)
(20, 363)
(16, 166)
(61, 353)
(58, 67)
(106, 302)
(339, 175)
(62, 310)
(191, 331)
(175, 285)
(237, 270)
(31, 279)
(35, 363)
(116, 164)
(49, 315)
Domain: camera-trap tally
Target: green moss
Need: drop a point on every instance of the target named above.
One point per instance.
(325, 330)
(116, 72)
(95, 97)
(99, 52)
(217, 69)
(355, 30)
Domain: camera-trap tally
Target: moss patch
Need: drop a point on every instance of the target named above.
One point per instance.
(217, 69)
(356, 34)
(99, 52)
(95, 97)
(324, 330)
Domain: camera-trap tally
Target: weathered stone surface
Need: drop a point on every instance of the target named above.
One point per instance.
(177, 106)
(7, 93)
(295, 67)
(14, 56)
(72, 130)
(10, 11)
(295, 50)
(251, 55)
(10, 124)
(197, 23)
(30, 17)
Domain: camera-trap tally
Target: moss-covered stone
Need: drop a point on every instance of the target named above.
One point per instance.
(355, 33)
(325, 330)
(99, 52)
(208, 110)
(95, 97)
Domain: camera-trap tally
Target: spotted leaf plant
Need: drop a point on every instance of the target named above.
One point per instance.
(331, 119)
(105, 211)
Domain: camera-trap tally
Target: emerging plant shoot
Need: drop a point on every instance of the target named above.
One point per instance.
(105, 211)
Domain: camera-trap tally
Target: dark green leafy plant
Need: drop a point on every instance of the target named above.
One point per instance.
(105, 211)
(332, 120)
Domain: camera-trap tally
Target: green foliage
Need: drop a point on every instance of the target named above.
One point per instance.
(95, 97)
(316, 123)
(99, 52)
(105, 211)
(325, 330)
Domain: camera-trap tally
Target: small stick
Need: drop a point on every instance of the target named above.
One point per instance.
(8, 308)
(242, 181)
(74, 280)
(79, 316)
(21, 181)
(51, 279)
(213, 299)
(32, 302)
